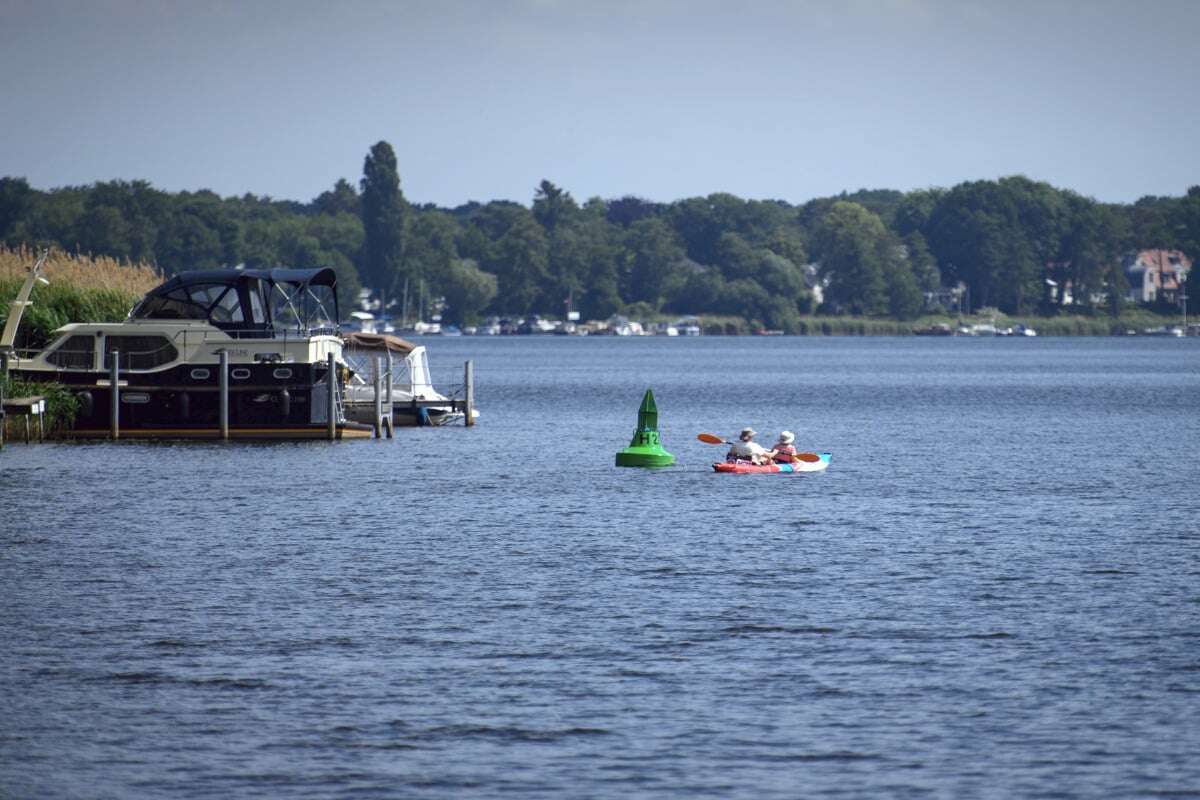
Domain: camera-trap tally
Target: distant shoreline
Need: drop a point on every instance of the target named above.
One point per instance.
(1137, 324)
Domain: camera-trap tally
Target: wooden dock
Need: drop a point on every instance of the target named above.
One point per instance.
(27, 409)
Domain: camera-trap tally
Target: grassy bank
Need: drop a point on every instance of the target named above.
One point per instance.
(82, 289)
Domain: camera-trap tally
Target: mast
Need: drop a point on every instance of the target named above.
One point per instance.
(17, 308)
(404, 307)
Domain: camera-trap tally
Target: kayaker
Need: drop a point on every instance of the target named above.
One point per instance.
(784, 452)
(746, 449)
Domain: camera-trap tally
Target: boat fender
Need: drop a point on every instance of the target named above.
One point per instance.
(422, 416)
(185, 405)
(285, 403)
(86, 404)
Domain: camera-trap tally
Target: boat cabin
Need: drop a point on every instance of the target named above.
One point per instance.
(248, 303)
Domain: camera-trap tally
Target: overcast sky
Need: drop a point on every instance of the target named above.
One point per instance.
(658, 98)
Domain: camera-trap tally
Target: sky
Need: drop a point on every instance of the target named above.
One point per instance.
(662, 99)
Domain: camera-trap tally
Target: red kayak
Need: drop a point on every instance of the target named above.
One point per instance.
(746, 467)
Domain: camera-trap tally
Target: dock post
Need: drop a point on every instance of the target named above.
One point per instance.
(469, 393)
(223, 386)
(377, 382)
(41, 415)
(114, 389)
(331, 384)
(2, 410)
(388, 418)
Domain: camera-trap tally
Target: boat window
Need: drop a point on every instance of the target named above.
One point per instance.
(283, 373)
(199, 374)
(228, 308)
(240, 373)
(139, 352)
(206, 294)
(258, 314)
(286, 306)
(303, 307)
(322, 302)
(175, 305)
(77, 352)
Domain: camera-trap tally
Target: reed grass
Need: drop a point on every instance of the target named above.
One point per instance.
(82, 289)
(80, 271)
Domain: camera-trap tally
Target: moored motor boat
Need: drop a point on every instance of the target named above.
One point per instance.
(745, 467)
(414, 400)
(243, 353)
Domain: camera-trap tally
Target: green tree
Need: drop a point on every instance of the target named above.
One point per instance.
(654, 258)
(432, 245)
(581, 254)
(308, 252)
(341, 199)
(1091, 247)
(1187, 225)
(385, 215)
(519, 263)
(736, 258)
(16, 202)
(102, 230)
(788, 243)
(998, 237)
(784, 281)
(922, 263)
(851, 244)
(467, 289)
(625, 211)
(341, 233)
(915, 209)
(905, 300)
(187, 242)
(552, 206)
(702, 290)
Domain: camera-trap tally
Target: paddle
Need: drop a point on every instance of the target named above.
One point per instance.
(709, 438)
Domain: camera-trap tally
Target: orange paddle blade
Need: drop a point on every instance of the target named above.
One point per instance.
(811, 458)
(710, 438)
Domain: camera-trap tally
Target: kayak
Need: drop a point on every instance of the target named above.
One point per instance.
(745, 467)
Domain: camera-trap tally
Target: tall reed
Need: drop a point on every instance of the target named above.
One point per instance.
(82, 289)
(81, 271)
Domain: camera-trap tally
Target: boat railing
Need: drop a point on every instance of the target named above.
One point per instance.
(137, 360)
(28, 353)
(410, 374)
(66, 358)
(192, 338)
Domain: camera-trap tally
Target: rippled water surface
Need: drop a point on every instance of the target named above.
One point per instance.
(993, 592)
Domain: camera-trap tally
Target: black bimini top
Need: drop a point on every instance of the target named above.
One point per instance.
(248, 302)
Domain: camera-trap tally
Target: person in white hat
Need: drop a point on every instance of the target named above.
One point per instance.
(746, 449)
(783, 452)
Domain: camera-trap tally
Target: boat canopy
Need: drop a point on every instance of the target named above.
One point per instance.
(248, 302)
(378, 341)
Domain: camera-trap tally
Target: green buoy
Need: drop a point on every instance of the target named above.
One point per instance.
(646, 450)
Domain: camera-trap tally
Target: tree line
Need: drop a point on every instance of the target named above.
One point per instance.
(1014, 243)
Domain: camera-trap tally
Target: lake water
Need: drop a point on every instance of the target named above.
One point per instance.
(993, 592)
